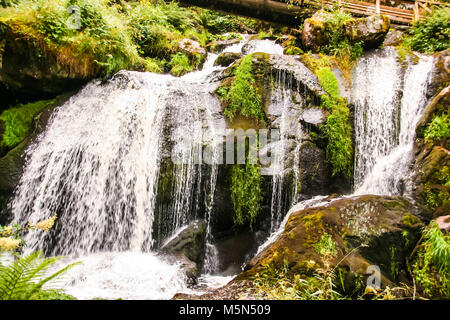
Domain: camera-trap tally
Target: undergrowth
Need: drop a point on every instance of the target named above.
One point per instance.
(19, 121)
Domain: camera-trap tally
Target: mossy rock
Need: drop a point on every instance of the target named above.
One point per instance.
(370, 30)
(360, 229)
(292, 50)
(227, 58)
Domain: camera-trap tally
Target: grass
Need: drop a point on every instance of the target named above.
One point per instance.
(19, 121)
(438, 128)
(431, 266)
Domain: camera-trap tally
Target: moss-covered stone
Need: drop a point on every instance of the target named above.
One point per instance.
(356, 231)
(369, 30)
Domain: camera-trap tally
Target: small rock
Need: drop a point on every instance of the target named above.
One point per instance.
(227, 58)
(220, 45)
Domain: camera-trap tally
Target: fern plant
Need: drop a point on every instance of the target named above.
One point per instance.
(24, 278)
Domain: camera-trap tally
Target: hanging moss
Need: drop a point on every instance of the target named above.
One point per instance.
(243, 96)
(246, 193)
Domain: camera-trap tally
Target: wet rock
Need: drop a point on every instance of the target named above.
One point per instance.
(227, 58)
(191, 48)
(393, 38)
(441, 73)
(313, 172)
(220, 45)
(313, 117)
(188, 242)
(366, 230)
(315, 33)
(370, 30)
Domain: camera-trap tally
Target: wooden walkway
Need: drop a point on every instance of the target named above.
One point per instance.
(288, 11)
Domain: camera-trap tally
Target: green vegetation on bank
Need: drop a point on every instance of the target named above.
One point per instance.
(19, 120)
(113, 35)
(431, 265)
(432, 33)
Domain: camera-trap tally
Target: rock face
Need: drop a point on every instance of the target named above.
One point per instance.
(315, 34)
(31, 68)
(188, 242)
(220, 45)
(432, 163)
(192, 48)
(227, 58)
(371, 30)
(364, 230)
(318, 30)
(187, 248)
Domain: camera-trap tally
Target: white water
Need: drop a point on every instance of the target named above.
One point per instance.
(385, 127)
(97, 166)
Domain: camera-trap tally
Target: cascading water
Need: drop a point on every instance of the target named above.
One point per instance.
(101, 166)
(385, 123)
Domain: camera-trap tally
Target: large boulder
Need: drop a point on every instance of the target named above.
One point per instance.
(188, 241)
(227, 58)
(315, 33)
(370, 30)
(360, 232)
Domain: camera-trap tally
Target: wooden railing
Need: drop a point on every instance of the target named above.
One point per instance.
(397, 15)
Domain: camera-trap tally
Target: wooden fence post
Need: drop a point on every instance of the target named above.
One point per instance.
(416, 11)
(377, 7)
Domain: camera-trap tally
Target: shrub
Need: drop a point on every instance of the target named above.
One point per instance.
(432, 33)
(438, 128)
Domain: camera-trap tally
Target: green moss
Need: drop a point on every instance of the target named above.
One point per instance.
(337, 129)
(19, 121)
(411, 221)
(243, 97)
(328, 81)
(437, 190)
(246, 193)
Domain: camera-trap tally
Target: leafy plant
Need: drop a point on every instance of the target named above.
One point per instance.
(25, 278)
(432, 33)
(431, 266)
(438, 128)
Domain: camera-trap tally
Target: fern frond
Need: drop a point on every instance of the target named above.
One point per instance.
(22, 279)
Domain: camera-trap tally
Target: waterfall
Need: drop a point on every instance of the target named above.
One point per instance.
(385, 121)
(122, 166)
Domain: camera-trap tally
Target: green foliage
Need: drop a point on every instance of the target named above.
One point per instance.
(246, 193)
(328, 81)
(326, 246)
(432, 33)
(19, 120)
(431, 267)
(282, 284)
(24, 279)
(243, 97)
(438, 128)
(180, 64)
(437, 189)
